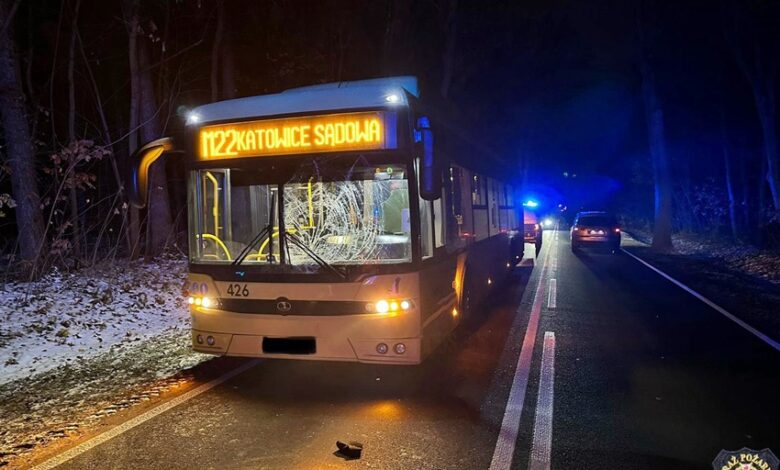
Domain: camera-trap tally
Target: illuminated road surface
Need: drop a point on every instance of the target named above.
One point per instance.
(625, 370)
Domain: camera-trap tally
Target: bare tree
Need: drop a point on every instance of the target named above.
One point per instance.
(448, 56)
(73, 196)
(662, 178)
(16, 131)
(228, 68)
(216, 49)
(753, 45)
(159, 224)
(729, 175)
(130, 12)
(223, 77)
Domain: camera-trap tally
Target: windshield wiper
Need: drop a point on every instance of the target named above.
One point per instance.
(247, 249)
(317, 259)
(266, 231)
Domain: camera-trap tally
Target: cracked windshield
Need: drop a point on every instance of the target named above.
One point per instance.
(337, 213)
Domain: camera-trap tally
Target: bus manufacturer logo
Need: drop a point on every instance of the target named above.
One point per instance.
(283, 306)
(745, 459)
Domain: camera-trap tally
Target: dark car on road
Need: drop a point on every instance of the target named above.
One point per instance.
(595, 229)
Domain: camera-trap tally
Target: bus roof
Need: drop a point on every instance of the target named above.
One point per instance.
(358, 94)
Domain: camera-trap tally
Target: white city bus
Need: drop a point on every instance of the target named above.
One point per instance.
(322, 226)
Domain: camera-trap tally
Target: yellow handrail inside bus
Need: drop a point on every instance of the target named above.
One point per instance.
(215, 209)
(311, 207)
(219, 242)
(265, 242)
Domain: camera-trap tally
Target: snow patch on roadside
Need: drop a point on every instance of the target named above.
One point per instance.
(65, 318)
(76, 347)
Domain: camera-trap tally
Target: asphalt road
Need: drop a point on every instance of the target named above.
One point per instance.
(645, 376)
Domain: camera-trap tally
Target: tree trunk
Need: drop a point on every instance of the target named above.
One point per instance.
(19, 151)
(654, 116)
(216, 49)
(73, 195)
(159, 226)
(730, 193)
(662, 229)
(448, 59)
(228, 68)
(131, 18)
(744, 202)
(728, 176)
(125, 233)
(767, 114)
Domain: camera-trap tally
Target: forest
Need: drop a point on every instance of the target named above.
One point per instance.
(665, 113)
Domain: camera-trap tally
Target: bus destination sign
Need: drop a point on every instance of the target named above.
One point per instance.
(308, 134)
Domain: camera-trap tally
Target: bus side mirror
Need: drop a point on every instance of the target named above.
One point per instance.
(430, 176)
(140, 162)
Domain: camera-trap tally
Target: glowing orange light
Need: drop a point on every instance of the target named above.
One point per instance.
(310, 134)
(454, 312)
(385, 409)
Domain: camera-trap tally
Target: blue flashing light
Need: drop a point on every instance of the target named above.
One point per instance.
(530, 203)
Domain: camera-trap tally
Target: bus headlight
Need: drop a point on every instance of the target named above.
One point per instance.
(390, 306)
(206, 302)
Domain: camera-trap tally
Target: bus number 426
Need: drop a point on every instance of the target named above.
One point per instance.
(238, 290)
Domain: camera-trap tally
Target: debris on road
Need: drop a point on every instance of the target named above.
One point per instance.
(349, 450)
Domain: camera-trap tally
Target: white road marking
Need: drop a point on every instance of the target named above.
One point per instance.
(541, 446)
(554, 263)
(507, 436)
(712, 304)
(552, 294)
(142, 418)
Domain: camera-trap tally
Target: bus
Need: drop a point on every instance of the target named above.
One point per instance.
(325, 223)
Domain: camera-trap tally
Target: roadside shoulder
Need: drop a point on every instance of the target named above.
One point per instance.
(753, 300)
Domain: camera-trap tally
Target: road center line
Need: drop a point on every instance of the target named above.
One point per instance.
(507, 436)
(142, 418)
(552, 293)
(542, 441)
(707, 301)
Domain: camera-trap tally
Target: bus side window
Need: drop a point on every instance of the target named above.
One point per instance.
(467, 228)
(439, 224)
(426, 234)
(457, 218)
(503, 214)
(426, 222)
(493, 206)
(510, 222)
(480, 207)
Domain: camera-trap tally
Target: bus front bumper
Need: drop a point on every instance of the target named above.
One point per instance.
(355, 338)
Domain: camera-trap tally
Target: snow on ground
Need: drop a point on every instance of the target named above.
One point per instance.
(75, 347)
(66, 317)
